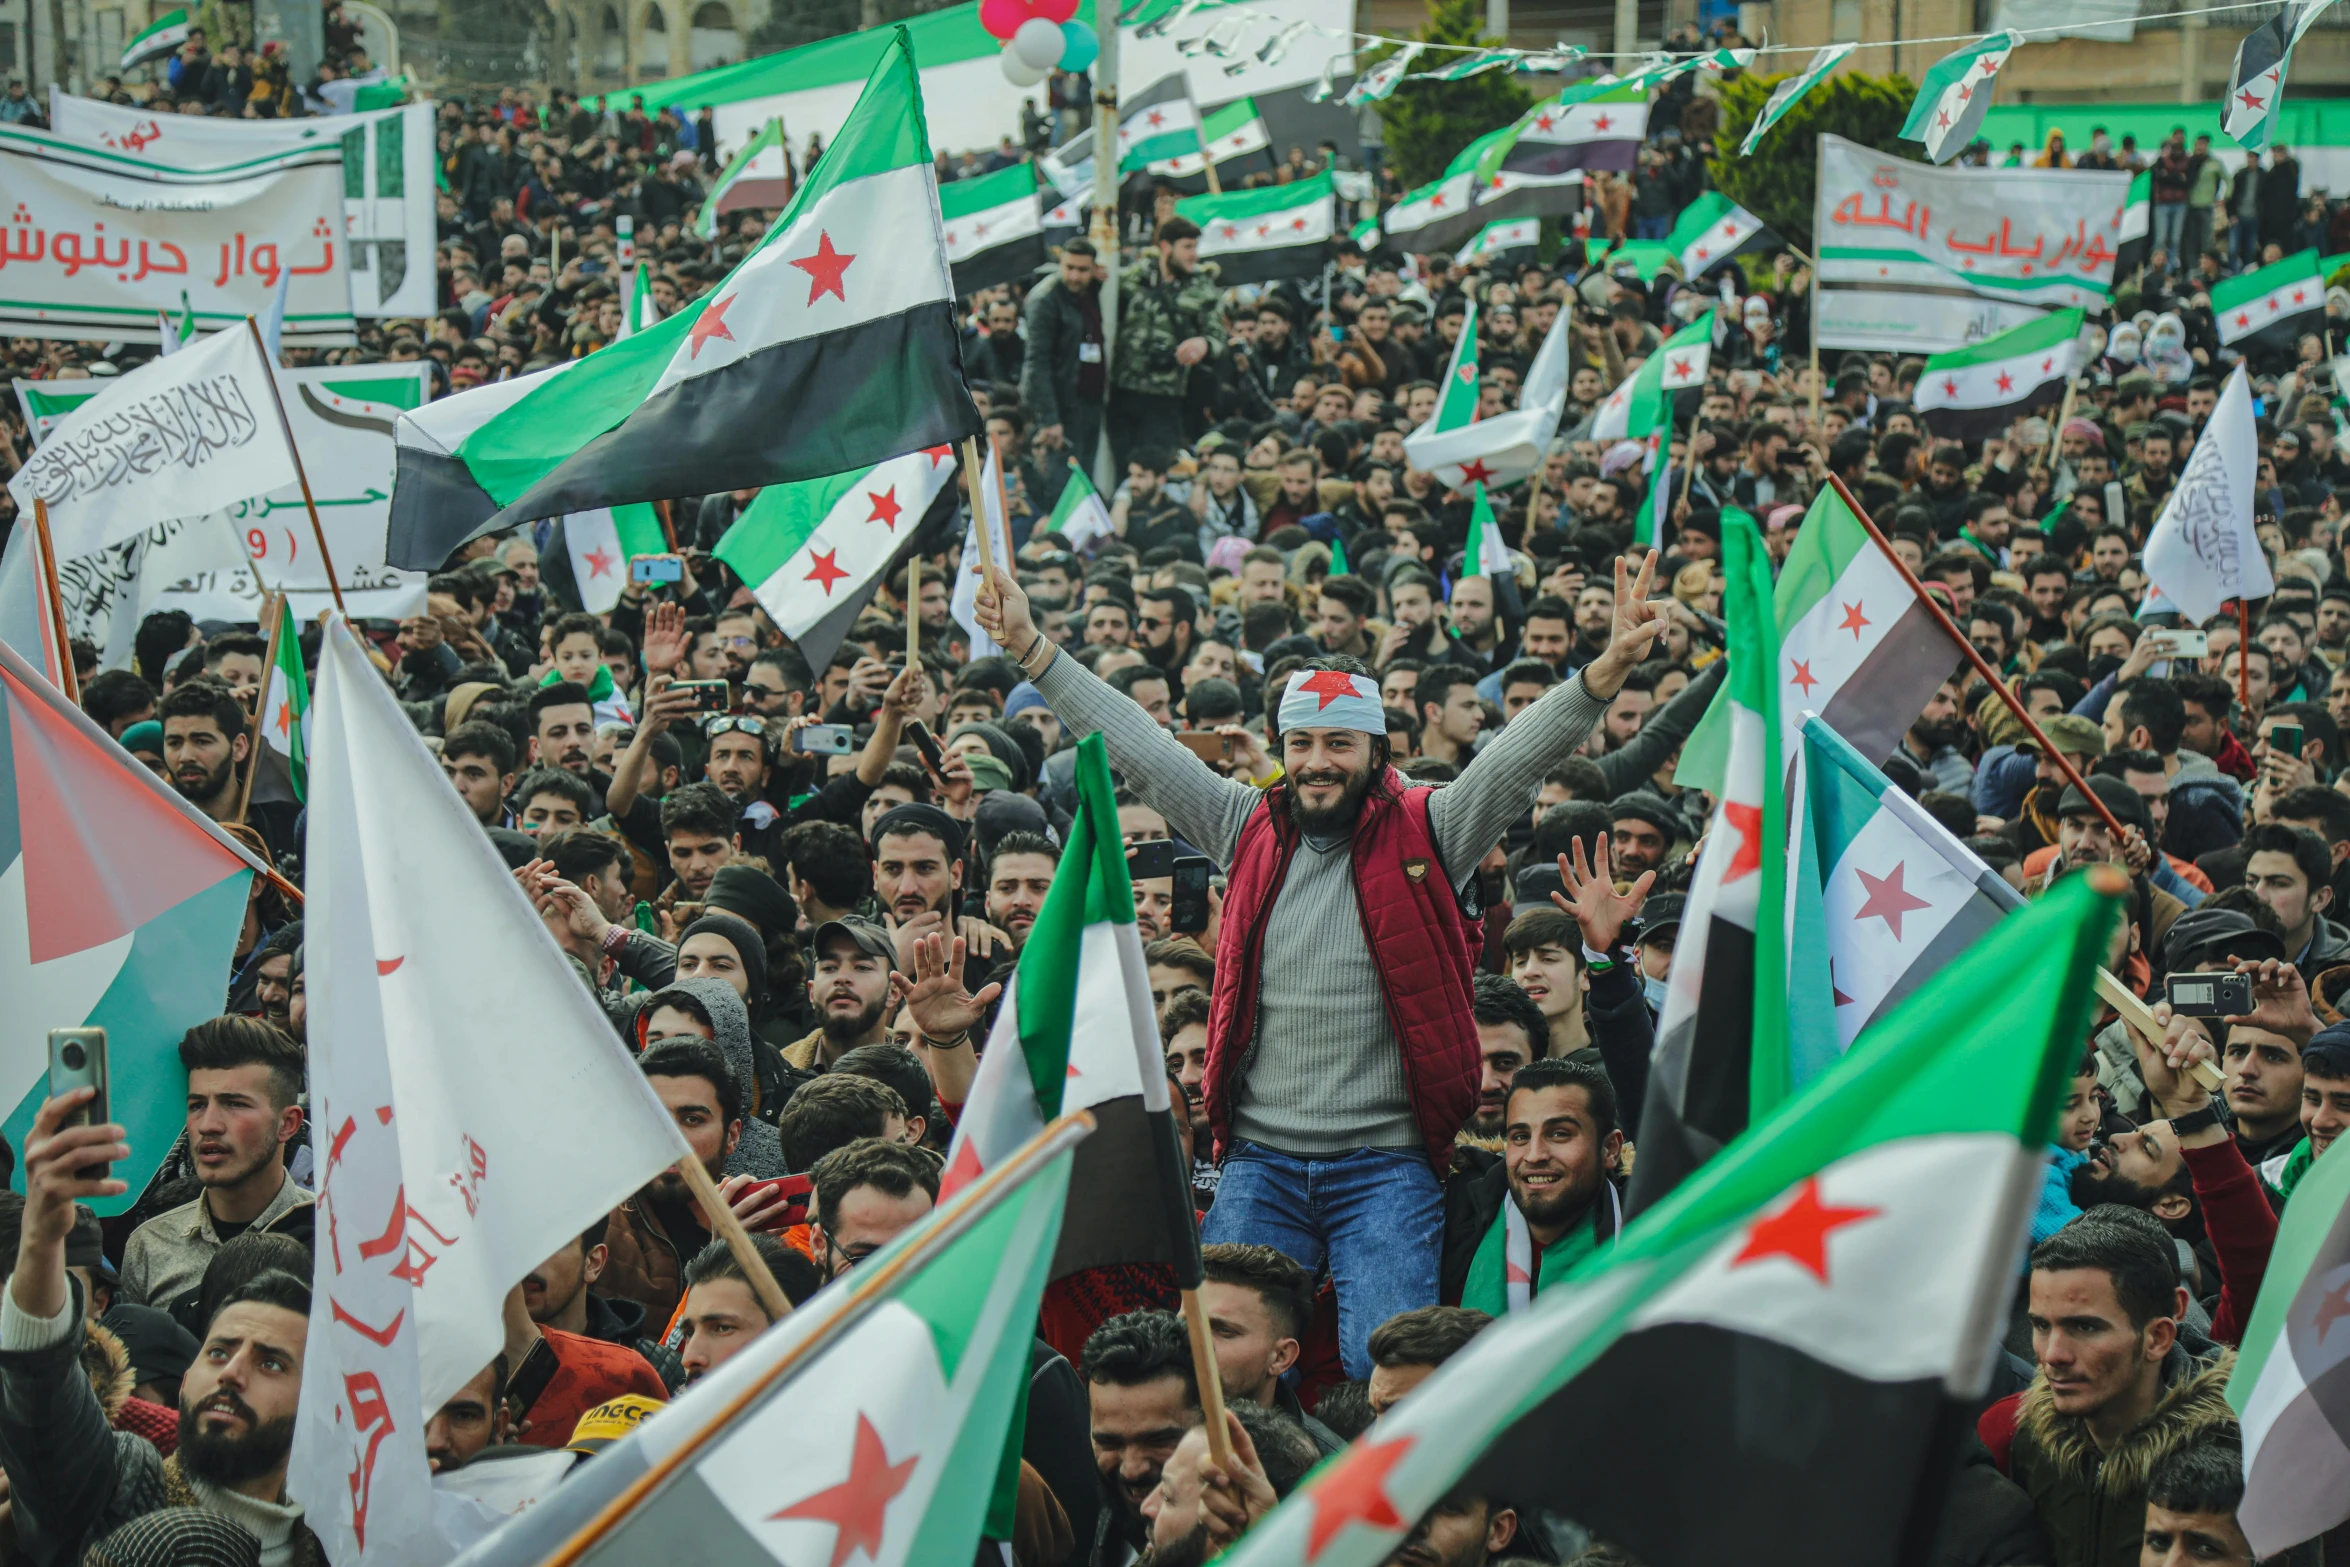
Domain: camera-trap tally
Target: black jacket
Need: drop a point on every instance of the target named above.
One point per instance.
(1048, 367)
(1471, 1204)
(621, 1321)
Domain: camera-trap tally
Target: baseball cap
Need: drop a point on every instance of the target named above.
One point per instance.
(2208, 932)
(2119, 798)
(2072, 735)
(608, 1422)
(988, 773)
(869, 938)
(1661, 916)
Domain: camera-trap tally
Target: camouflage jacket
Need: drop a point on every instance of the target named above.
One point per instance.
(1154, 315)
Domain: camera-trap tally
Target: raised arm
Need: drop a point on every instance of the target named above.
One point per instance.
(1501, 780)
(1204, 809)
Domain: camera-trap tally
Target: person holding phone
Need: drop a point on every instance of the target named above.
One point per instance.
(1336, 1082)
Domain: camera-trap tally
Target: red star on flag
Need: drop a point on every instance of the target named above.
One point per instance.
(824, 568)
(982, 230)
(1730, 228)
(2048, 364)
(886, 509)
(1158, 118)
(600, 561)
(2299, 295)
(1888, 900)
(1803, 676)
(1231, 231)
(1329, 685)
(1703, 252)
(1677, 367)
(1942, 118)
(857, 1506)
(1263, 229)
(1542, 122)
(1466, 375)
(2272, 304)
(1965, 91)
(2243, 319)
(1476, 472)
(1853, 621)
(953, 237)
(2006, 382)
(1949, 386)
(959, 1174)
(1354, 1490)
(285, 720)
(1799, 1232)
(2248, 101)
(709, 324)
(1436, 200)
(1992, 63)
(1602, 123)
(2332, 1307)
(1746, 822)
(939, 454)
(1298, 224)
(824, 270)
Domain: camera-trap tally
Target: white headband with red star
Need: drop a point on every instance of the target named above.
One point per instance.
(1328, 699)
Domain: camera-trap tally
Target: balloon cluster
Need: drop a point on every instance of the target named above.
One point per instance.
(1039, 36)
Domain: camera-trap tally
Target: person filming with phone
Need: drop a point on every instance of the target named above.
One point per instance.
(1342, 1052)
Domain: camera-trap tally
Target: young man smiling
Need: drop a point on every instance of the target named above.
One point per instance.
(1551, 1201)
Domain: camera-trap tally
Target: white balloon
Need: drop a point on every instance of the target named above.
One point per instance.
(1039, 43)
(1018, 71)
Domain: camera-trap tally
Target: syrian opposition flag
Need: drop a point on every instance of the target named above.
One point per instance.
(1436, 216)
(2202, 551)
(1895, 897)
(1079, 515)
(1456, 404)
(1459, 448)
(1274, 231)
(592, 566)
(1497, 243)
(1981, 389)
(1651, 524)
(2137, 226)
(2291, 1385)
(2285, 296)
(1860, 649)
(994, 227)
(1487, 555)
(284, 717)
(179, 332)
(1075, 1031)
(1232, 132)
(1064, 223)
(1789, 92)
(1721, 1053)
(812, 553)
(1156, 124)
(1713, 229)
(878, 1425)
(758, 177)
(120, 905)
(2256, 81)
(1956, 94)
(830, 348)
(1786, 1350)
(1588, 127)
(637, 307)
(159, 40)
(1643, 401)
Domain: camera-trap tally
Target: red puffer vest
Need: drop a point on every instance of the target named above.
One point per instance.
(1424, 945)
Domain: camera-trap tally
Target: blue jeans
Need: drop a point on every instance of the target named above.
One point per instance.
(1374, 1218)
(1651, 228)
(2170, 226)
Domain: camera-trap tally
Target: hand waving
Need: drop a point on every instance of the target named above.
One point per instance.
(1591, 896)
(941, 1007)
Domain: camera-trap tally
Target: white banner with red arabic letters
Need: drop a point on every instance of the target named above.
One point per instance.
(93, 243)
(1920, 259)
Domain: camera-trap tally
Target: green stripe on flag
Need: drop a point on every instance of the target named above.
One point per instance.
(2227, 294)
(1457, 398)
(1753, 630)
(294, 697)
(2052, 330)
(1091, 888)
(777, 522)
(960, 198)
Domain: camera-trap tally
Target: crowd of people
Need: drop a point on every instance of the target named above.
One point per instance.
(1409, 1026)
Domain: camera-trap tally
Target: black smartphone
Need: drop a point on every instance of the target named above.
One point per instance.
(2209, 995)
(2285, 740)
(1151, 859)
(1189, 912)
(710, 696)
(824, 740)
(77, 1059)
(932, 757)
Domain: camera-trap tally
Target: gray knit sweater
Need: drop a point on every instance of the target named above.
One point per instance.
(1324, 1074)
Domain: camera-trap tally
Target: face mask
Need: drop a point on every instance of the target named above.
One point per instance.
(1654, 990)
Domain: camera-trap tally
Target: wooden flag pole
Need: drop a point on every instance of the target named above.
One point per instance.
(975, 471)
(272, 614)
(1211, 1381)
(913, 610)
(326, 556)
(728, 1228)
(69, 679)
(668, 524)
(2244, 664)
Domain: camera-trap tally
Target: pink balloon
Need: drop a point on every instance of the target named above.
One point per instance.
(1002, 18)
(1054, 10)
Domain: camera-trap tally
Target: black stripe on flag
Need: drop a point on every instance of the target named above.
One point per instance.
(1977, 915)
(436, 507)
(1875, 706)
(1010, 262)
(1234, 267)
(1698, 1090)
(1975, 424)
(1129, 1195)
(1730, 1447)
(804, 409)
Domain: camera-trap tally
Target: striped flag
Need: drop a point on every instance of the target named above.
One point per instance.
(1713, 229)
(158, 40)
(1075, 1031)
(1860, 649)
(870, 1427)
(813, 553)
(1643, 402)
(1233, 131)
(758, 177)
(1274, 231)
(1721, 1057)
(1897, 897)
(1956, 95)
(831, 347)
(994, 227)
(1497, 243)
(1458, 448)
(1079, 515)
(178, 334)
(1157, 123)
(1436, 215)
(2285, 295)
(1808, 1323)
(2290, 1388)
(1487, 555)
(597, 547)
(1652, 524)
(640, 310)
(285, 702)
(1981, 389)
(1789, 92)
(2136, 231)
(2256, 78)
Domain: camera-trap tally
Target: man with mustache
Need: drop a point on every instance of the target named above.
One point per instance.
(1339, 1071)
(72, 1480)
(207, 738)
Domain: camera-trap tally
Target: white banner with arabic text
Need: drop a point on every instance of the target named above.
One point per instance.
(389, 226)
(95, 243)
(1920, 259)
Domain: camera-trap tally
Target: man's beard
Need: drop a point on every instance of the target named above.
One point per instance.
(840, 1030)
(1562, 1203)
(2092, 1183)
(1190, 1551)
(1321, 820)
(225, 1461)
(213, 782)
